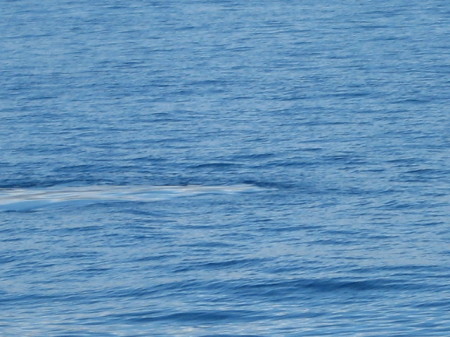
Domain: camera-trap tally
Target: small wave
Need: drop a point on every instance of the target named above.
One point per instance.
(324, 286)
(193, 316)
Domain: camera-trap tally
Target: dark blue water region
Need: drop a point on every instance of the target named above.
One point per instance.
(224, 168)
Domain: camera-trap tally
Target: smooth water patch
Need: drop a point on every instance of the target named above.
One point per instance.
(26, 199)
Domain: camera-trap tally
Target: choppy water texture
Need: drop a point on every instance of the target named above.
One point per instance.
(224, 168)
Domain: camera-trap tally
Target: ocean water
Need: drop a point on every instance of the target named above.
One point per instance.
(224, 168)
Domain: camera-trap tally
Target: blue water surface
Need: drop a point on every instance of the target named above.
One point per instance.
(224, 168)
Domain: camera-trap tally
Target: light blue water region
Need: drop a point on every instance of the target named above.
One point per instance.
(224, 168)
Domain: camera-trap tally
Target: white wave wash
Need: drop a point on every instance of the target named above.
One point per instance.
(16, 199)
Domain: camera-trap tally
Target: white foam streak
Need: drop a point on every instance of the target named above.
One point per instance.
(38, 197)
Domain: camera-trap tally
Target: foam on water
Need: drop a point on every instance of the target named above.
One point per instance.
(21, 199)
